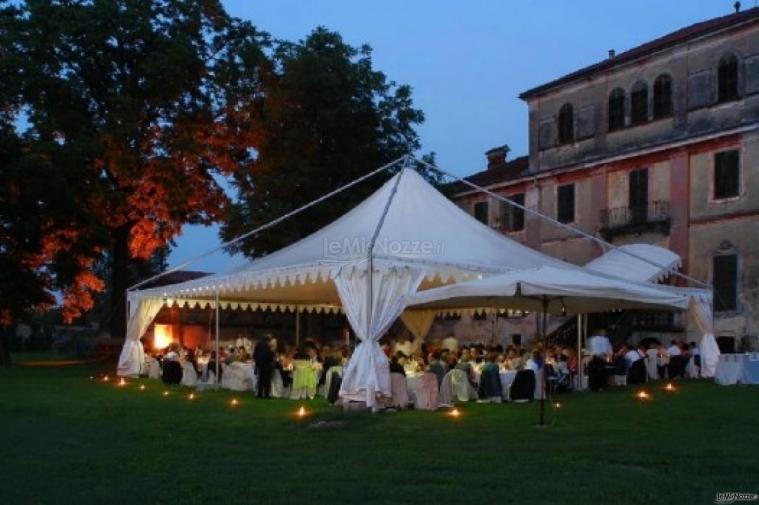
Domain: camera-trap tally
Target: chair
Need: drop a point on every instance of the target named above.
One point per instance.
(637, 373)
(189, 375)
(523, 387)
(651, 359)
(427, 392)
(328, 377)
(490, 384)
(461, 390)
(304, 380)
(278, 389)
(335, 381)
(153, 368)
(172, 372)
(398, 391)
(619, 376)
(676, 368)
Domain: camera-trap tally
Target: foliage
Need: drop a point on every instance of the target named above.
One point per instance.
(133, 109)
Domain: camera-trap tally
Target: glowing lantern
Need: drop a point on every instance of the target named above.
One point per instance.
(122, 382)
(234, 402)
(191, 396)
(642, 395)
(455, 413)
(162, 336)
(165, 393)
(301, 411)
(557, 405)
(106, 379)
(142, 387)
(670, 387)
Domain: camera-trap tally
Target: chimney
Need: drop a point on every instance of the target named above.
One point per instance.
(497, 156)
(612, 53)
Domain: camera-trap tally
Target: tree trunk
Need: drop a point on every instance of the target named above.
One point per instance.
(119, 281)
(5, 355)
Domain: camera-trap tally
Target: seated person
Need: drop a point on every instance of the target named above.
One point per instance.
(437, 367)
(397, 362)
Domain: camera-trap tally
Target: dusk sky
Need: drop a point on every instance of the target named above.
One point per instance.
(466, 62)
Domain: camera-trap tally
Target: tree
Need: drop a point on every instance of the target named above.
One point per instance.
(136, 105)
(328, 118)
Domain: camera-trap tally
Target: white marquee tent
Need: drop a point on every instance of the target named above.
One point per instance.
(406, 233)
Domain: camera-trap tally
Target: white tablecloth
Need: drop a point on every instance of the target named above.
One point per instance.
(737, 369)
(507, 378)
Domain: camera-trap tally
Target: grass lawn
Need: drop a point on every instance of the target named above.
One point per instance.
(67, 439)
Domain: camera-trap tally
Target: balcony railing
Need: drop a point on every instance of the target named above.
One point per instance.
(624, 220)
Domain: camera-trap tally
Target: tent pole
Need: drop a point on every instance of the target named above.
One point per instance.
(297, 327)
(218, 356)
(544, 335)
(580, 317)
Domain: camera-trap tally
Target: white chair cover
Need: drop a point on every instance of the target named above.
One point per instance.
(153, 368)
(236, 377)
(729, 369)
(691, 370)
(189, 375)
(427, 392)
(651, 360)
(398, 391)
(277, 386)
(328, 377)
(461, 389)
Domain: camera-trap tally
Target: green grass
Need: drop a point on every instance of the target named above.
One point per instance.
(67, 439)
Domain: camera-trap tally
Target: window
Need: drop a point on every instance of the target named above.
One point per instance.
(662, 96)
(639, 103)
(638, 195)
(566, 124)
(727, 78)
(616, 110)
(512, 218)
(481, 212)
(565, 208)
(726, 174)
(725, 282)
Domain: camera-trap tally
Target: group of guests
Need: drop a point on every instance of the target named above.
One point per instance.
(650, 359)
(265, 355)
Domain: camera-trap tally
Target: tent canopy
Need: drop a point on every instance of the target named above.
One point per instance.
(562, 289)
(617, 263)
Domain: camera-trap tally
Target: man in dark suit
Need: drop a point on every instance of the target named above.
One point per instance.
(263, 356)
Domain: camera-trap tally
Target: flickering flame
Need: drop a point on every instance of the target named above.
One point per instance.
(162, 336)
(191, 396)
(234, 402)
(106, 379)
(142, 387)
(670, 387)
(557, 405)
(642, 395)
(165, 393)
(302, 411)
(455, 413)
(122, 382)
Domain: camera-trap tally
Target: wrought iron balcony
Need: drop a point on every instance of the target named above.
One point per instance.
(626, 220)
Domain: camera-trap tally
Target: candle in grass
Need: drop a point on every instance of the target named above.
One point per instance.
(142, 387)
(455, 413)
(643, 395)
(302, 411)
(165, 393)
(234, 402)
(557, 405)
(670, 387)
(191, 396)
(122, 382)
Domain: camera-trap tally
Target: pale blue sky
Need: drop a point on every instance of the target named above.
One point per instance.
(467, 62)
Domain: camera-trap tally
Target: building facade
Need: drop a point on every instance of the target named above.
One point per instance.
(659, 144)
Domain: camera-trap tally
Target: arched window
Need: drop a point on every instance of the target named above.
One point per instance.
(662, 96)
(566, 124)
(639, 103)
(616, 109)
(727, 78)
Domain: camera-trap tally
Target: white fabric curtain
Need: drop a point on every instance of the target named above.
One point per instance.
(367, 374)
(142, 311)
(700, 310)
(418, 322)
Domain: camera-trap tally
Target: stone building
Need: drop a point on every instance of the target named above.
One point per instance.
(658, 144)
